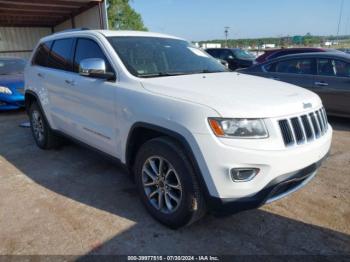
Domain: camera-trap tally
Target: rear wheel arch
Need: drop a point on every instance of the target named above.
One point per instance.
(29, 98)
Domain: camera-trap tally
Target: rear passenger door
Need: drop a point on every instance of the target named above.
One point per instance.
(332, 83)
(92, 100)
(299, 71)
(57, 77)
(37, 79)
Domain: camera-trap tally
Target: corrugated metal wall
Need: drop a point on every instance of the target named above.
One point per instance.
(89, 19)
(15, 40)
(20, 39)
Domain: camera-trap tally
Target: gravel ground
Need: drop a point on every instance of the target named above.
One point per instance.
(74, 201)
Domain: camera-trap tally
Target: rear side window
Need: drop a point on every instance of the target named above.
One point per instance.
(42, 54)
(295, 66)
(213, 52)
(330, 67)
(87, 48)
(61, 54)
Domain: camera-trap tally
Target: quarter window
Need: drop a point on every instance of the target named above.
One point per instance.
(87, 48)
(295, 66)
(61, 54)
(42, 53)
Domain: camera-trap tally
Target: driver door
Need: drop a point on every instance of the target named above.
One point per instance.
(92, 101)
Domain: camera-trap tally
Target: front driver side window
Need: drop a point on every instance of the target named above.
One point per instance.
(225, 54)
(87, 48)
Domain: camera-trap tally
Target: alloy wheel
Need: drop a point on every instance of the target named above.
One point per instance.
(161, 184)
(38, 125)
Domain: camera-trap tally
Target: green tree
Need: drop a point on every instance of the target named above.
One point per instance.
(121, 16)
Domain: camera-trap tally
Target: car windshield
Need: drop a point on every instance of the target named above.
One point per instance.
(156, 57)
(12, 66)
(242, 54)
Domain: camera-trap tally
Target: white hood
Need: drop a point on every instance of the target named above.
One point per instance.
(235, 95)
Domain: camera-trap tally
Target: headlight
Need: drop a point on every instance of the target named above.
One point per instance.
(238, 127)
(5, 90)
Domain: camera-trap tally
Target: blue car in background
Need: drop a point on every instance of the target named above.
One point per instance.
(11, 83)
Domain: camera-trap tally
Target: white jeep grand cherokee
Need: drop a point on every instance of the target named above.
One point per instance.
(196, 137)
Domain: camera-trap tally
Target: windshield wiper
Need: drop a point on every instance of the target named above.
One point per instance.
(206, 71)
(160, 74)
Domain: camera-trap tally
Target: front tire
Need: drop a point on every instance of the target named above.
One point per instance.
(167, 184)
(43, 135)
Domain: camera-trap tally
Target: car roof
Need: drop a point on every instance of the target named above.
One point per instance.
(295, 49)
(107, 33)
(335, 54)
(222, 48)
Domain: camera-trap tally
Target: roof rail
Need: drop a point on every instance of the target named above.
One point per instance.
(73, 30)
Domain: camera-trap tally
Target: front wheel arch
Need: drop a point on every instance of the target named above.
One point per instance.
(142, 132)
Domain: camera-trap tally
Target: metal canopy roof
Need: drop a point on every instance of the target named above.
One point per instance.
(41, 13)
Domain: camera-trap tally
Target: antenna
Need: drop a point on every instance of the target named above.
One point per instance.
(340, 17)
(226, 35)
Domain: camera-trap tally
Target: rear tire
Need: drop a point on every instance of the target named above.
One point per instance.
(167, 184)
(42, 133)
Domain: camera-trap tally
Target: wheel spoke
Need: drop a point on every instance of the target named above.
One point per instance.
(153, 166)
(153, 193)
(160, 170)
(149, 173)
(167, 201)
(175, 198)
(36, 116)
(178, 187)
(168, 172)
(152, 183)
(160, 199)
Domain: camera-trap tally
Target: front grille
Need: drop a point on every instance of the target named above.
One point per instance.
(302, 129)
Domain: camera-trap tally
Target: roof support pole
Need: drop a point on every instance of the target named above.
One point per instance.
(72, 19)
(100, 15)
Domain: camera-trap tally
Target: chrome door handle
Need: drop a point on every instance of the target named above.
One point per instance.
(321, 83)
(70, 82)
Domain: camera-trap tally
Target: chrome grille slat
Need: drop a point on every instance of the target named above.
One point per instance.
(303, 129)
(298, 133)
(324, 116)
(307, 127)
(315, 124)
(320, 119)
(312, 126)
(286, 132)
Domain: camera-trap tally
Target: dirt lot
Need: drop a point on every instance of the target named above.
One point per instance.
(74, 201)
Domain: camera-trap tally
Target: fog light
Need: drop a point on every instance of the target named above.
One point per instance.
(243, 174)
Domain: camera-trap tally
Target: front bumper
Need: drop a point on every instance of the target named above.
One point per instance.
(11, 102)
(276, 189)
(216, 157)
